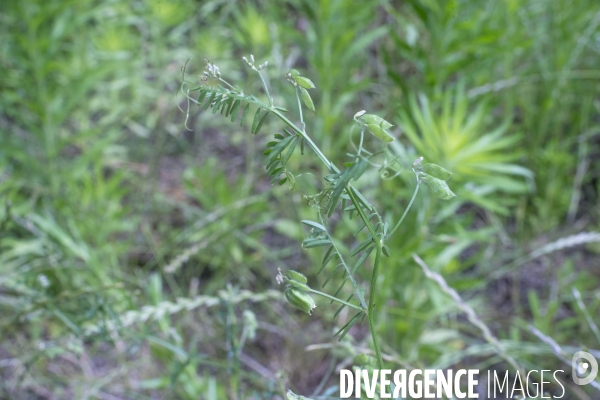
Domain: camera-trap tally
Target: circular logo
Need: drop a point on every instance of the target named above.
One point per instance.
(582, 363)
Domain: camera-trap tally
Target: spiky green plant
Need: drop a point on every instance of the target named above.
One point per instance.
(456, 135)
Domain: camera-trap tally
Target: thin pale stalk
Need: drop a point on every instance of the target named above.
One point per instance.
(338, 300)
(300, 109)
(407, 208)
(266, 87)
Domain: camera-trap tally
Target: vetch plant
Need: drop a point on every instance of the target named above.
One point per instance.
(338, 192)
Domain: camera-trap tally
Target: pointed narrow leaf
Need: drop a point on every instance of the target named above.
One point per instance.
(284, 180)
(273, 162)
(229, 106)
(306, 98)
(202, 96)
(342, 307)
(340, 288)
(363, 245)
(223, 106)
(362, 259)
(341, 184)
(329, 255)
(279, 148)
(210, 100)
(275, 169)
(344, 330)
(362, 200)
(244, 114)
(260, 123)
(362, 224)
(255, 121)
(234, 110)
(290, 151)
(314, 225)
(316, 243)
(331, 274)
(215, 108)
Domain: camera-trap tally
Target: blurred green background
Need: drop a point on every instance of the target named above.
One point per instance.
(138, 258)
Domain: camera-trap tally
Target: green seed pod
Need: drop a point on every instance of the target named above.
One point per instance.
(385, 250)
(306, 98)
(295, 276)
(361, 359)
(438, 187)
(304, 82)
(298, 285)
(300, 299)
(381, 134)
(436, 171)
(372, 119)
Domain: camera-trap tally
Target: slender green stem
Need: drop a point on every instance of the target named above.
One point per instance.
(300, 109)
(374, 275)
(227, 83)
(361, 298)
(266, 87)
(308, 140)
(362, 136)
(371, 310)
(338, 300)
(350, 190)
(407, 208)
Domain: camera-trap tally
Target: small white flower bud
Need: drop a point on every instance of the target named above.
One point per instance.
(252, 58)
(417, 161)
(359, 114)
(43, 280)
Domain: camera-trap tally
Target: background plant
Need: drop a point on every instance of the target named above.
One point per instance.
(129, 199)
(219, 95)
